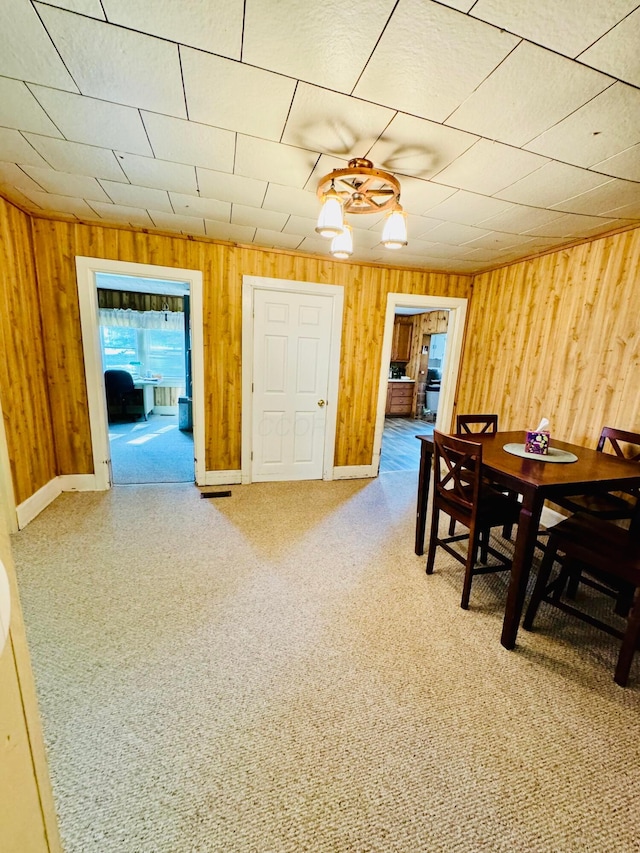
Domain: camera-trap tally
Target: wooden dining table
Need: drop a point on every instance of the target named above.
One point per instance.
(593, 472)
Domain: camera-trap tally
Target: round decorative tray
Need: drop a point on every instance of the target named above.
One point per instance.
(553, 455)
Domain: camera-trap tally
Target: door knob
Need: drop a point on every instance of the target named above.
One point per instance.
(321, 403)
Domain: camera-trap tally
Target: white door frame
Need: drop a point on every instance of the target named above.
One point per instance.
(250, 283)
(86, 268)
(457, 308)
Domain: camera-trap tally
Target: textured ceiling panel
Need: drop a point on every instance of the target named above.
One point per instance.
(512, 126)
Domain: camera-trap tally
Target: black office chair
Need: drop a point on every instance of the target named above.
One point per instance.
(124, 400)
(460, 491)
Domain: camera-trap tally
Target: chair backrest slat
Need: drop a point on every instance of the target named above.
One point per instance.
(457, 470)
(470, 424)
(615, 437)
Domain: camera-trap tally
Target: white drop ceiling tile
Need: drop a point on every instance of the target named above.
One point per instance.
(76, 158)
(14, 148)
(488, 167)
(132, 196)
(627, 210)
(188, 142)
(147, 172)
(271, 161)
(324, 164)
(569, 225)
(316, 246)
(234, 96)
(422, 226)
(417, 195)
(216, 29)
(10, 193)
(425, 249)
(551, 184)
(62, 184)
(598, 201)
(234, 188)
(324, 43)
(532, 90)
(21, 111)
(258, 218)
(94, 122)
(364, 239)
(435, 79)
(304, 227)
(231, 233)
(460, 5)
(92, 8)
(207, 208)
(51, 203)
(171, 222)
(455, 234)
(122, 214)
(520, 218)
(468, 208)
(617, 52)
(334, 123)
(116, 64)
(14, 176)
(26, 51)
(481, 254)
(568, 27)
(418, 147)
(623, 165)
(276, 239)
(607, 125)
(499, 240)
(291, 200)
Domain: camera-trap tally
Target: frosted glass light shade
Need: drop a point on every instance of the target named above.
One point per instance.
(394, 234)
(342, 244)
(330, 220)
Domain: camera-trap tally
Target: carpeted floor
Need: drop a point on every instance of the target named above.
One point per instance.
(273, 672)
(151, 451)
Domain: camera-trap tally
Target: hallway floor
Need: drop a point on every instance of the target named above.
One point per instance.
(400, 448)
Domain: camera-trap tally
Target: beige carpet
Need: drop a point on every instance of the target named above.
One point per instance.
(274, 672)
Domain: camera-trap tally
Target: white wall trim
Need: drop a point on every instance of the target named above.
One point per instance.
(38, 501)
(354, 472)
(457, 308)
(7, 495)
(250, 283)
(78, 483)
(222, 478)
(86, 268)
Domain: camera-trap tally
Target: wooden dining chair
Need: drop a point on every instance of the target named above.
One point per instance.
(608, 506)
(479, 424)
(469, 424)
(460, 492)
(602, 556)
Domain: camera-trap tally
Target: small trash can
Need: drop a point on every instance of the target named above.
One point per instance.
(185, 415)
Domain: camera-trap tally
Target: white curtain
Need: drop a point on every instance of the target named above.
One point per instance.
(126, 318)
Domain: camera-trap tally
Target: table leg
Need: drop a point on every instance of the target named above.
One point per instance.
(528, 524)
(424, 481)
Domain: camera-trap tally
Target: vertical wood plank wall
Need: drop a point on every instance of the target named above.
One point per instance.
(56, 245)
(23, 378)
(558, 336)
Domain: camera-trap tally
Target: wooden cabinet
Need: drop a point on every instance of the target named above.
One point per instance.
(402, 334)
(400, 398)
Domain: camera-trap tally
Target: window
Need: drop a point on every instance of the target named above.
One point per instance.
(144, 343)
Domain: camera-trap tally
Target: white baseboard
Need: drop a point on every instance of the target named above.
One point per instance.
(354, 472)
(164, 410)
(221, 478)
(33, 506)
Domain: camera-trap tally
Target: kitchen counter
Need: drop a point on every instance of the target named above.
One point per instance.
(405, 379)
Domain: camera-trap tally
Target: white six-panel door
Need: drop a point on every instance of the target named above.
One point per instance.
(292, 340)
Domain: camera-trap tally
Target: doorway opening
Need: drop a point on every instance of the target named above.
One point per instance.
(155, 433)
(145, 344)
(420, 362)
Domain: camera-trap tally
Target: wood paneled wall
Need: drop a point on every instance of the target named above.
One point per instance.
(558, 336)
(223, 267)
(23, 376)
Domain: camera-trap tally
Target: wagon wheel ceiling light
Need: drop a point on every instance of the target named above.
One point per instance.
(359, 189)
